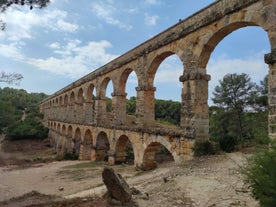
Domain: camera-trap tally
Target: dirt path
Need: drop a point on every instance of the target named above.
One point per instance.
(209, 181)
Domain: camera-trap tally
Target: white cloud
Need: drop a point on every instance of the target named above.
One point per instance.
(107, 12)
(76, 60)
(21, 23)
(66, 26)
(54, 45)
(11, 51)
(151, 20)
(218, 67)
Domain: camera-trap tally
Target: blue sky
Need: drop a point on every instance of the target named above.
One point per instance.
(55, 46)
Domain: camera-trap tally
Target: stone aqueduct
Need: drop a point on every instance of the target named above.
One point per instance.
(79, 121)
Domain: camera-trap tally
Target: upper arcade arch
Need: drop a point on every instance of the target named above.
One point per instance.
(89, 92)
(154, 65)
(80, 97)
(216, 37)
(101, 89)
(72, 98)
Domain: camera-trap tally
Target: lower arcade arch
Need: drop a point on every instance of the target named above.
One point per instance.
(76, 142)
(155, 153)
(124, 151)
(87, 145)
(102, 147)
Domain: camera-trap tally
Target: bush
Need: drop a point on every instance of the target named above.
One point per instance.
(201, 148)
(70, 156)
(262, 140)
(228, 143)
(28, 129)
(260, 174)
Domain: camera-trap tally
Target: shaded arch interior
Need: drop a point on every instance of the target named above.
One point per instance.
(102, 147)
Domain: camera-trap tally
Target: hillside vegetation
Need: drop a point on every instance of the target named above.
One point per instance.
(19, 114)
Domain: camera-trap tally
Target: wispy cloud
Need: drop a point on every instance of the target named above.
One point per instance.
(12, 51)
(75, 60)
(220, 66)
(20, 23)
(107, 12)
(151, 20)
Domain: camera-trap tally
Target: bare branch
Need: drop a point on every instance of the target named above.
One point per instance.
(11, 78)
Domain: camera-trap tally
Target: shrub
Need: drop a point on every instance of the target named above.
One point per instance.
(228, 143)
(262, 140)
(70, 156)
(201, 148)
(28, 129)
(260, 173)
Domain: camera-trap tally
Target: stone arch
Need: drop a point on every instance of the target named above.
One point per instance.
(58, 127)
(123, 79)
(103, 107)
(89, 92)
(154, 65)
(102, 147)
(124, 150)
(77, 142)
(62, 141)
(72, 98)
(80, 102)
(60, 101)
(152, 148)
(103, 86)
(69, 139)
(70, 131)
(87, 145)
(80, 97)
(120, 99)
(57, 103)
(65, 100)
(216, 38)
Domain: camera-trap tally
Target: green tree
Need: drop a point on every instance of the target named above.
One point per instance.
(14, 101)
(131, 105)
(234, 94)
(168, 111)
(260, 173)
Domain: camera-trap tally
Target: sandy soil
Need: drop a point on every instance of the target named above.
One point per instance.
(211, 181)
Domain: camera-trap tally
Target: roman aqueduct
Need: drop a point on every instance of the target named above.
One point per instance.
(79, 122)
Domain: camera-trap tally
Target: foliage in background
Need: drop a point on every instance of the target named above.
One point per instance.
(239, 116)
(12, 104)
(260, 174)
(27, 129)
(168, 110)
(201, 148)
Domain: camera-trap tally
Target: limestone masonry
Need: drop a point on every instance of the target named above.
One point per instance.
(79, 122)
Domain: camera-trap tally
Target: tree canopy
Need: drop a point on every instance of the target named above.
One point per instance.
(12, 104)
(240, 111)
